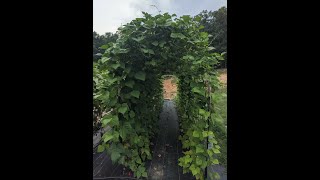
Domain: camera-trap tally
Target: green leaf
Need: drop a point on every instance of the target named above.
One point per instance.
(177, 35)
(220, 58)
(216, 175)
(150, 51)
(212, 140)
(127, 70)
(217, 146)
(144, 50)
(168, 23)
(108, 118)
(152, 62)
(95, 80)
(186, 17)
(100, 148)
(198, 90)
(144, 174)
(115, 136)
(138, 174)
(209, 152)
(196, 134)
(104, 46)
(107, 137)
(140, 75)
(187, 159)
(138, 160)
(123, 109)
(202, 111)
(135, 93)
(136, 140)
(115, 156)
(106, 121)
(199, 149)
(162, 43)
(189, 57)
(132, 114)
(120, 51)
(204, 34)
(127, 126)
(122, 133)
(215, 161)
(141, 168)
(113, 102)
(216, 151)
(198, 161)
(104, 59)
(203, 165)
(211, 48)
(122, 160)
(205, 133)
(195, 171)
(129, 84)
(155, 43)
(139, 39)
(147, 153)
(112, 80)
(192, 167)
(115, 66)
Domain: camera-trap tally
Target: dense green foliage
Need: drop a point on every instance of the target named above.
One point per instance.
(100, 78)
(127, 80)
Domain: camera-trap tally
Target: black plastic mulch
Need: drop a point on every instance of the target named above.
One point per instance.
(166, 152)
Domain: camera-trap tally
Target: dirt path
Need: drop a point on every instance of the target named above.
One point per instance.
(170, 87)
(223, 77)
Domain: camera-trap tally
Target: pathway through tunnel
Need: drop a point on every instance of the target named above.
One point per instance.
(167, 150)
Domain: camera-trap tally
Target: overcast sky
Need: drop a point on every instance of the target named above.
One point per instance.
(108, 15)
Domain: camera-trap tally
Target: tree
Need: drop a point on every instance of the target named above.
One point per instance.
(215, 23)
(99, 40)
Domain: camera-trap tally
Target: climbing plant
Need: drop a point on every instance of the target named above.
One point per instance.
(129, 83)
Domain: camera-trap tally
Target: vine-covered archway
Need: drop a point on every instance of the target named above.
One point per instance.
(130, 84)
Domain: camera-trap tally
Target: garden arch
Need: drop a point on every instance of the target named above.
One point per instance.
(146, 49)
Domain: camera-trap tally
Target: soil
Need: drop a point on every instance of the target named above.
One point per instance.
(170, 89)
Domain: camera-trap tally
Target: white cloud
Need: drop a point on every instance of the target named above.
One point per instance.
(108, 15)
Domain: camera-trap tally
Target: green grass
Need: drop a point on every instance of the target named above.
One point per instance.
(220, 128)
(221, 105)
